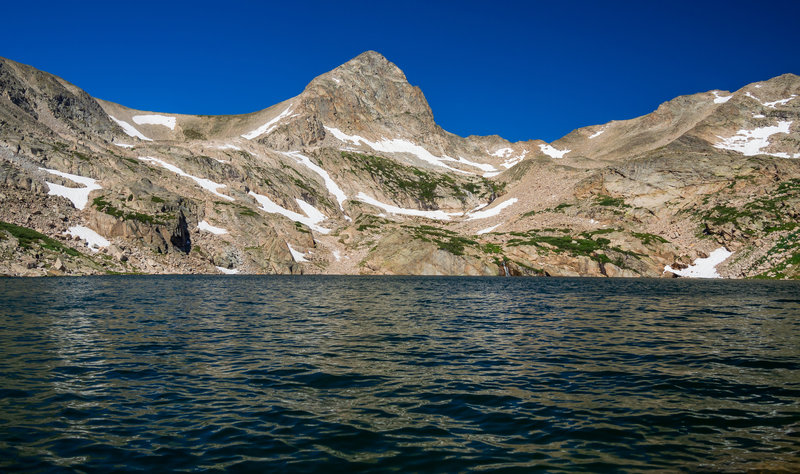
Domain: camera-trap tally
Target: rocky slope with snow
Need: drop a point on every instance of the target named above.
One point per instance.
(354, 176)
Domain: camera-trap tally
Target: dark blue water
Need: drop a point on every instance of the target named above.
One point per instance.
(270, 374)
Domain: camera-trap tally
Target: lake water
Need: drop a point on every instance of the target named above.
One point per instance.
(278, 373)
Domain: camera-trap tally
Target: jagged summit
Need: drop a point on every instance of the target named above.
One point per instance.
(372, 63)
(367, 89)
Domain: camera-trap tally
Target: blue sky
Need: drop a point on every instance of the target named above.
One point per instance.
(521, 70)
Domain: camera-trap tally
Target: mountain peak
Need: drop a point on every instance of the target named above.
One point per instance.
(367, 92)
(372, 63)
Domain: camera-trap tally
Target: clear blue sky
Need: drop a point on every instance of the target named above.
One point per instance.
(521, 70)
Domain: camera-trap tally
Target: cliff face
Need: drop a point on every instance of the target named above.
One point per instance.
(354, 176)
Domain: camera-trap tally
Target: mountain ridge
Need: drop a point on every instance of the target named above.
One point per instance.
(353, 175)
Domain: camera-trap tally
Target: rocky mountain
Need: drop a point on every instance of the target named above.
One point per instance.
(354, 176)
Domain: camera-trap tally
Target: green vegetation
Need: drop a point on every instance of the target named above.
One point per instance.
(585, 244)
(492, 248)
(788, 244)
(106, 207)
(156, 199)
(27, 237)
(193, 134)
(301, 227)
(559, 208)
(767, 212)
(247, 212)
(443, 238)
(605, 200)
(423, 185)
(648, 239)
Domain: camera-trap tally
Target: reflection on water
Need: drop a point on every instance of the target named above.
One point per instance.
(445, 374)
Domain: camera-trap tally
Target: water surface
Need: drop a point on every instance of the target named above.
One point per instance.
(398, 373)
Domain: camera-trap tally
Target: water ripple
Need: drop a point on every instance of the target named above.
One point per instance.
(410, 374)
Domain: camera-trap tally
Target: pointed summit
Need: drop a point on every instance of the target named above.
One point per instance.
(368, 94)
(372, 63)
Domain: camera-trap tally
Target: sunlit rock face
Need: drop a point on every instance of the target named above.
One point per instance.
(354, 176)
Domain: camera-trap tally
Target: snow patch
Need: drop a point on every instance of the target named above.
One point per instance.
(758, 116)
(398, 145)
(437, 215)
(488, 229)
(269, 126)
(481, 166)
(703, 267)
(718, 99)
(786, 155)
(296, 255)
(228, 271)
(206, 184)
(164, 120)
(772, 104)
(333, 188)
(228, 146)
(93, 240)
(779, 102)
(337, 255)
(503, 153)
(78, 196)
(312, 218)
(751, 142)
(203, 225)
(491, 212)
(552, 151)
(597, 134)
(512, 162)
(130, 129)
(123, 145)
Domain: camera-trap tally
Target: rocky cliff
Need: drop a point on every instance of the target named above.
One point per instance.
(354, 176)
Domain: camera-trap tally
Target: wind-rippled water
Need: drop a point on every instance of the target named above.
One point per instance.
(398, 373)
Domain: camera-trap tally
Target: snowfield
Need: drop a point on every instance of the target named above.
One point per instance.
(491, 212)
(164, 120)
(718, 99)
(129, 129)
(296, 255)
(503, 152)
(312, 218)
(228, 271)
(228, 146)
(205, 226)
(436, 215)
(774, 104)
(269, 126)
(703, 267)
(512, 162)
(488, 229)
(206, 184)
(751, 142)
(399, 145)
(78, 196)
(93, 240)
(553, 152)
(333, 188)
